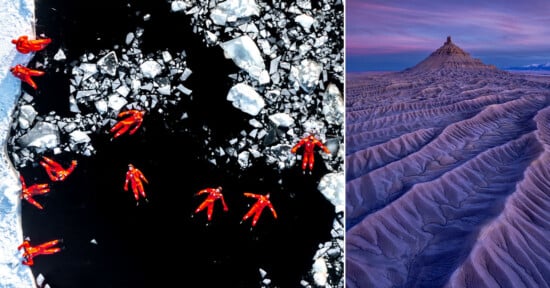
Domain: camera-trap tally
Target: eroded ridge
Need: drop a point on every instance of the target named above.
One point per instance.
(447, 179)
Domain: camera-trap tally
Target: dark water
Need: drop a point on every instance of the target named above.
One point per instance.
(162, 242)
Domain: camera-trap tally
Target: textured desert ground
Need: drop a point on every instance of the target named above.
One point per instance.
(447, 176)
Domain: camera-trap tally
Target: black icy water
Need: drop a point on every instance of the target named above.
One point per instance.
(108, 241)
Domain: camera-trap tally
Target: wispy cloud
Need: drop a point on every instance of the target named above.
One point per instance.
(389, 27)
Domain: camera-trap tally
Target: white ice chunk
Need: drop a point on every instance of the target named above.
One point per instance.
(306, 75)
(178, 6)
(150, 68)
(42, 135)
(281, 120)
(218, 17)
(263, 273)
(246, 55)
(274, 65)
(88, 70)
(164, 90)
(69, 127)
(123, 90)
(243, 159)
(304, 48)
(186, 73)
(129, 38)
(184, 90)
(264, 77)
(116, 102)
(320, 272)
(108, 64)
(233, 10)
(332, 187)
(85, 94)
(249, 28)
(255, 123)
(27, 97)
(26, 116)
(320, 41)
(333, 105)
(135, 84)
(90, 56)
(211, 37)
(59, 55)
(305, 21)
(193, 11)
(78, 137)
(40, 280)
(314, 126)
(261, 134)
(73, 107)
(246, 99)
(166, 56)
(255, 153)
(101, 106)
(304, 4)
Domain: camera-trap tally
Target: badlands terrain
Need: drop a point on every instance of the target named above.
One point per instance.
(447, 180)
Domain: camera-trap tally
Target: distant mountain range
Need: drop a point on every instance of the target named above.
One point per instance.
(532, 67)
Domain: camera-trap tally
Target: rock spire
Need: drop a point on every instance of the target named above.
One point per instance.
(449, 57)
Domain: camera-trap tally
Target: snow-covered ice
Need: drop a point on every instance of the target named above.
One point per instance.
(16, 19)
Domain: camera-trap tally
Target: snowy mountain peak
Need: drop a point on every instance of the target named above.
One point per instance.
(532, 67)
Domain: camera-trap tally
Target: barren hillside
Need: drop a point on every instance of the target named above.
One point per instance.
(447, 176)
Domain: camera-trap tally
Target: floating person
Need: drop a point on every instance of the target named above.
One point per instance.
(55, 171)
(27, 193)
(33, 251)
(134, 176)
(213, 195)
(309, 143)
(258, 207)
(135, 118)
(25, 74)
(25, 46)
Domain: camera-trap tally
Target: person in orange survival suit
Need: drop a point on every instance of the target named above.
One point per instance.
(309, 143)
(32, 251)
(134, 176)
(133, 120)
(55, 171)
(258, 207)
(213, 195)
(24, 45)
(27, 193)
(25, 74)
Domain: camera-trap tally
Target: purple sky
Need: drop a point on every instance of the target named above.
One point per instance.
(394, 34)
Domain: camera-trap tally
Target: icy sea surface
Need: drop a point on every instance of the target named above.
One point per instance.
(226, 96)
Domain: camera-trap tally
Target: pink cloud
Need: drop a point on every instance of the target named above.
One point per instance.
(374, 28)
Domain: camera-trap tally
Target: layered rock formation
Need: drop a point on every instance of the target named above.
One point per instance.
(446, 181)
(450, 56)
